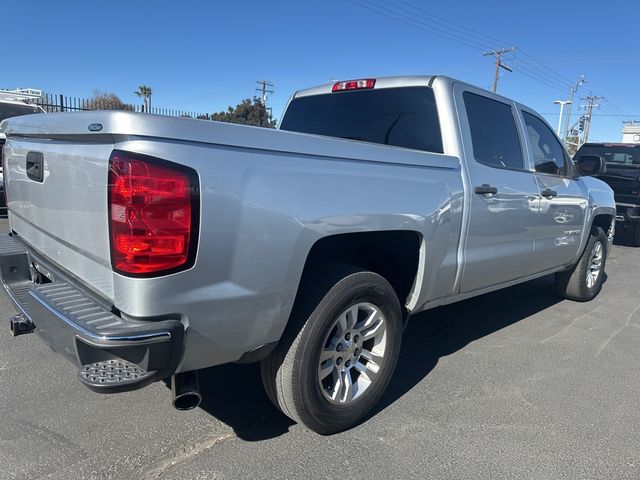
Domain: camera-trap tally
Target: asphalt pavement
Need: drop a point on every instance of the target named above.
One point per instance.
(515, 384)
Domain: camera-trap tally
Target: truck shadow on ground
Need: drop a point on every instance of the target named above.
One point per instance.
(234, 394)
(442, 331)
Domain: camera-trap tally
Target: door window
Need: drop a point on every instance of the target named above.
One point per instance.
(493, 132)
(548, 154)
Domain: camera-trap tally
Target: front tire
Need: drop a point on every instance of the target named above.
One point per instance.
(584, 280)
(339, 351)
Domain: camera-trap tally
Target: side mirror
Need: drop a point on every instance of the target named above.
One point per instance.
(591, 165)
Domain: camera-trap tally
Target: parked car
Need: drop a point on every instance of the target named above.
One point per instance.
(623, 176)
(11, 108)
(145, 247)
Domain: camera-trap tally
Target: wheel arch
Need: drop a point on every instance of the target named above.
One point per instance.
(396, 255)
(604, 220)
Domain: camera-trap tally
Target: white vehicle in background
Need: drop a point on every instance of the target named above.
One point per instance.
(13, 103)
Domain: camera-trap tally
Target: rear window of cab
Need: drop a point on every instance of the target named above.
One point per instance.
(403, 117)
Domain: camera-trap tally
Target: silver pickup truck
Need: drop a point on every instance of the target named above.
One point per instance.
(145, 247)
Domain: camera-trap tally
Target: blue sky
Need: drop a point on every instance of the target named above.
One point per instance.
(204, 56)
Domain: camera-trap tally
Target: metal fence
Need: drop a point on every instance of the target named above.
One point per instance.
(61, 103)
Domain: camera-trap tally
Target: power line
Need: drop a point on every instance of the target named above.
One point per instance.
(441, 27)
(537, 73)
(525, 64)
(527, 72)
(599, 114)
(381, 9)
(534, 65)
(561, 78)
(491, 41)
(486, 42)
(611, 107)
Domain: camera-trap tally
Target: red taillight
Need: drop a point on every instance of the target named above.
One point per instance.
(153, 213)
(354, 85)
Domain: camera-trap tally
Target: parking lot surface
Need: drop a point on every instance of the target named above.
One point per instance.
(513, 384)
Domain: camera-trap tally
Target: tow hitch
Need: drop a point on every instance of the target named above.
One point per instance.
(20, 324)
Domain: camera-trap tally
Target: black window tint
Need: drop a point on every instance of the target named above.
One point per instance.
(548, 154)
(404, 117)
(493, 132)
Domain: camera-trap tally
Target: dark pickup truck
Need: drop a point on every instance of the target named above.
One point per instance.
(623, 176)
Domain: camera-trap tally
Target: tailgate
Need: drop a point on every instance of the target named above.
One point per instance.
(57, 199)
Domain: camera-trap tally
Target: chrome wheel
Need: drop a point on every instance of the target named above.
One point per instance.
(352, 354)
(596, 264)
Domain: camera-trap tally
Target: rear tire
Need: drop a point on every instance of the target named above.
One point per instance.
(321, 374)
(584, 280)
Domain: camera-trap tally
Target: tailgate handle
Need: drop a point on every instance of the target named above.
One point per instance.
(35, 166)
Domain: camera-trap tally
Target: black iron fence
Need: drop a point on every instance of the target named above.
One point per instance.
(62, 103)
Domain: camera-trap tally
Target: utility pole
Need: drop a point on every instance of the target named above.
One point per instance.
(265, 87)
(497, 54)
(562, 103)
(591, 103)
(574, 88)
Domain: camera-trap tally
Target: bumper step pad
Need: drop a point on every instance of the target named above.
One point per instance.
(113, 373)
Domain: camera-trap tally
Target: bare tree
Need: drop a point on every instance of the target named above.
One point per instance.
(107, 101)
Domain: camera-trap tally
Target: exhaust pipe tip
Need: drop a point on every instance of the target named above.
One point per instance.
(186, 391)
(187, 401)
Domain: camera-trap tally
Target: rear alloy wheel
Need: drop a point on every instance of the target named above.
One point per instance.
(584, 280)
(339, 351)
(352, 354)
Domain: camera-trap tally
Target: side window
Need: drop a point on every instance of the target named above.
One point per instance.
(548, 154)
(493, 132)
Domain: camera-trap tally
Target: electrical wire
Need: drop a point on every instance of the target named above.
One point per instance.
(422, 19)
(534, 65)
(523, 63)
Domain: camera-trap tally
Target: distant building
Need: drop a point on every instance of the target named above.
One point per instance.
(631, 133)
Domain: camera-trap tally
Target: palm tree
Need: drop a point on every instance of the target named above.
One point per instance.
(145, 92)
